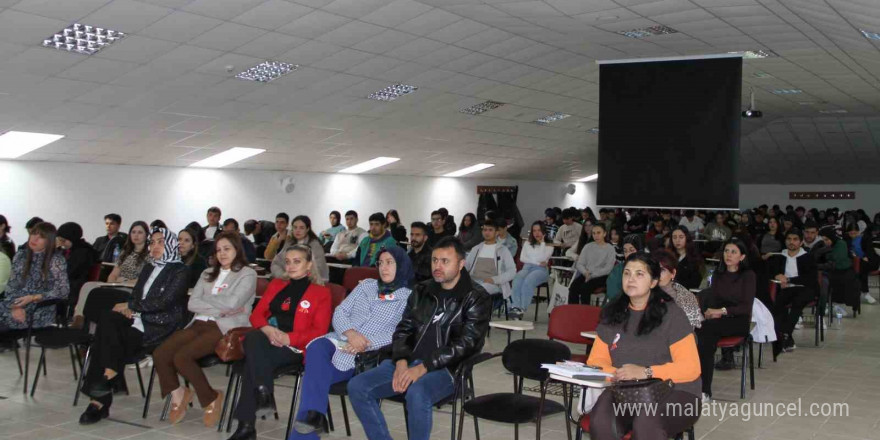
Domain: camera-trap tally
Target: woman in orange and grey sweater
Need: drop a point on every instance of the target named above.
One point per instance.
(644, 334)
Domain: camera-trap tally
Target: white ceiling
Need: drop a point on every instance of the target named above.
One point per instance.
(163, 96)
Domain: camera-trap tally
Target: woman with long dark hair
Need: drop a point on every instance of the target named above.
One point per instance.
(689, 272)
(301, 233)
(535, 256)
(469, 233)
(393, 225)
(644, 335)
(727, 306)
(135, 254)
(189, 254)
(593, 265)
(38, 273)
(771, 241)
(584, 239)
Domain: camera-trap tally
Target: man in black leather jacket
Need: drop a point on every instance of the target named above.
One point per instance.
(445, 322)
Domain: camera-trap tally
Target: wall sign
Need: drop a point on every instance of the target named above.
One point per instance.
(822, 195)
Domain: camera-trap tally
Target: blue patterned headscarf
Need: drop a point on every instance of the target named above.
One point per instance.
(405, 273)
(172, 251)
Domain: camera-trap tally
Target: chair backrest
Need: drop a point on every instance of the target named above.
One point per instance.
(524, 357)
(95, 272)
(569, 320)
(354, 275)
(262, 284)
(337, 294)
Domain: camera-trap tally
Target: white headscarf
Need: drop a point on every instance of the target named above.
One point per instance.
(172, 252)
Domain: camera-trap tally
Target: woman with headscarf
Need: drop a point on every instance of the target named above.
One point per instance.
(157, 309)
(365, 321)
(844, 287)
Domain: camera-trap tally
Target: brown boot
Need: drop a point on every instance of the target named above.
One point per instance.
(212, 411)
(78, 322)
(178, 411)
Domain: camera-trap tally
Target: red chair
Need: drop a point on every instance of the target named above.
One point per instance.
(95, 272)
(569, 320)
(262, 284)
(354, 275)
(746, 343)
(337, 293)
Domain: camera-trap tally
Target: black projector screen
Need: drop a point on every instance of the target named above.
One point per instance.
(669, 133)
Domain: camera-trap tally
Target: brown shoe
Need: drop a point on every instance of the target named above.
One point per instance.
(78, 322)
(178, 411)
(212, 411)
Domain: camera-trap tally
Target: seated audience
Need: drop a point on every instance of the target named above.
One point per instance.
(28, 226)
(213, 227)
(842, 277)
(448, 221)
(188, 246)
(250, 251)
(593, 265)
(641, 335)
(438, 228)
(38, 273)
(329, 235)
(718, 230)
(79, 255)
(682, 296)
(727, 307)
(301, 233)
(196, 226)
(692, 222)
(870, 259)
(419, 251)
(259, 231)
(771, 241)
(397, 230)
(656, 230)
(158, 223)
(135, 254)
(276, 242)
(490, 264)
(568, 233)
(345, 245)
(365, 321)
(614, 239)
(614, 283)
(796, 272)
(420, 367)
(5, 271)
(469, 232)
(507, 240)
(636, 224)
(221, 301)
(6, 243)
(109, 246)
(535, 257)
(689, 272)
(550, 222)
(155, 311)
(294, 310)
(585, 237)
(379, 238)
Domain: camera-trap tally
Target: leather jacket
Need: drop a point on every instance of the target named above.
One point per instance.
(462, 330)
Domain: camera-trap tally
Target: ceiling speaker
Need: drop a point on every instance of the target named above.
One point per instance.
(288, 185)
(570, 189)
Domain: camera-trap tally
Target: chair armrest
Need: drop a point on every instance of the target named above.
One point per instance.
(50, 302)
(466, 366)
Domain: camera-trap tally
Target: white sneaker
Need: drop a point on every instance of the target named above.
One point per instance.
(706, 399)
(800, 323)
(866, 297)
(146, 362)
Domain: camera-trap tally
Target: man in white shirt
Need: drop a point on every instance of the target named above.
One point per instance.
(490, 264)
(568, 234)
(797, 276)
(213, 227)
(693, 223)
(345, 245)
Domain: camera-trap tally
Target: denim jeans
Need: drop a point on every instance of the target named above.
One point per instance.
(320, 374)
(366, 389)
(525, 283)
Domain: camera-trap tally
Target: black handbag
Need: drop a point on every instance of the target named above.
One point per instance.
(368, 360)
(644, 391)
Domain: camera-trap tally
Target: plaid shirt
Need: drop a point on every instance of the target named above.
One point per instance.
(368, 314)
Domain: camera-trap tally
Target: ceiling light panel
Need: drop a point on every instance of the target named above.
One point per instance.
(267, 71)
(84, 39)
(369, 165)
(551, 118)
(228, 157)
(594, 130)
(18, 143)
(834, 111)
(648, 31)
(788, 91)
(469, 170)
(589, 178)
(870, 35)
(755, 54)
(482, 107)
(392, 92)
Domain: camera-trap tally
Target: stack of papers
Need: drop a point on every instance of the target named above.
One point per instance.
(576, 370)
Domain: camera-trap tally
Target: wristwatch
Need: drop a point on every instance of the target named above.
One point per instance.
(649, 372)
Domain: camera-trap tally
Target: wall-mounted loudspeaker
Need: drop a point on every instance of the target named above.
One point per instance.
(288, 185)
(570, 189)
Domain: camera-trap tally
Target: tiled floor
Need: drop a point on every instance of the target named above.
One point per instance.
(845, 369)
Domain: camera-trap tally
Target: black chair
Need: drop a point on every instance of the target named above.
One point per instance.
(133, 360)
(27, 334)
(523, 358)
(59, 338)
(233, 390)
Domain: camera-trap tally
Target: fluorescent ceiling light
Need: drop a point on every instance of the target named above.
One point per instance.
(267, 71)
(870, 35)
(369, 165)
(469, 170)
(594, 130)
(392, 92)
(83, 39)
(550, 118)
(228, 157)
(589, 178)
(482, 107)
(788, 91)
(834, 111)
(755, 54)
(18, 143)
(648, 31)
(762, 75)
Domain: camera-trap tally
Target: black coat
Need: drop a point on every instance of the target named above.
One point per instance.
(80, 259)
(163, 310)
(104, 246)
(421, 263)
(462, 327)
(688, 274)
(808, 274)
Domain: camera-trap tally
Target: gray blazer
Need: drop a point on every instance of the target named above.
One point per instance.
(242, 287)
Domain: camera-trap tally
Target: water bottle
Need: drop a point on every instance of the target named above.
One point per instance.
(838, 320)
(115, 253)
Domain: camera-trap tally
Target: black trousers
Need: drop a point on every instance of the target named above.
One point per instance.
(258, 369)
(115, 341)
(865, 269)
(580, 290)
(707, 340)
(677, 412)
(843, 287)
(786, 318)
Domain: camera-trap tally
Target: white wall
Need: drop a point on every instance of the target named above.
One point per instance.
(867, 196)
(60, 192)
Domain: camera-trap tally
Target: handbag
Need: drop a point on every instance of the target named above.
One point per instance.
(368, 360)
(229, 347)
(645, 391)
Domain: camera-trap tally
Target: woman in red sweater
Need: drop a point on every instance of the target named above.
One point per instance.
(290, 314)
